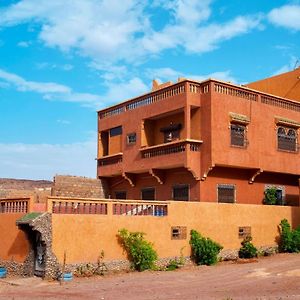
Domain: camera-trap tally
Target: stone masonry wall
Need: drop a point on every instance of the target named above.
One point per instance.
(81, 187)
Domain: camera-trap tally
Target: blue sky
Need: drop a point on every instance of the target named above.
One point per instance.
(62, 60)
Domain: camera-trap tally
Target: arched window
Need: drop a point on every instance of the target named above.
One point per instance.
(287, 139)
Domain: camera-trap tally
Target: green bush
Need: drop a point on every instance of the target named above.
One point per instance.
(140, 252)
(270, 196)
(248, 250)
(289, 239)
(204, 250)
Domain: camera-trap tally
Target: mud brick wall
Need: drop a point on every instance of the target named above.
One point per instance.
(82, 187)
(39, 194)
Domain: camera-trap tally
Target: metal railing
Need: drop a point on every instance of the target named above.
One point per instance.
(170, 148)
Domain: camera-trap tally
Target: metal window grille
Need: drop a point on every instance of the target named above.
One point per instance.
(121, 195)
(181, 192)
(287, 139)
(131, 138)
(148, 194)
(226, 193)
(238, 135)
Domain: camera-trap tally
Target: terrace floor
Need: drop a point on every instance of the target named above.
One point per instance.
(276, 277)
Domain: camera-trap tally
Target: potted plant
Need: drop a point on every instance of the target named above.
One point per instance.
(3, 270)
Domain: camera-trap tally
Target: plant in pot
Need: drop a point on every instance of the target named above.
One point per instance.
(3, 270)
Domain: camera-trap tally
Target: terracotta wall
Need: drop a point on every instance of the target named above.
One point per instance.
(162, 192)
(245, 192)
(285, 85)
(84, 236)
(14, 244)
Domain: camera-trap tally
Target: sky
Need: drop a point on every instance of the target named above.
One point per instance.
(62, 60)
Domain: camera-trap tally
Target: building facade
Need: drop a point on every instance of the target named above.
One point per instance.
(206, 141)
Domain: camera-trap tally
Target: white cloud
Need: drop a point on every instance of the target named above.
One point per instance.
(24, 44)
(50, 90)
(286, 16)
(43, 161)
(107, 31)
(64, 122)
(46, 65)
(169, 74)
(115, 91)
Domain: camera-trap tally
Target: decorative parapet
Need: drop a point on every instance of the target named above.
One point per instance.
(64, 205)
(16, 205)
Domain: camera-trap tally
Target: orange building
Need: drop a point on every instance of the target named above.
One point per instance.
(207, 141)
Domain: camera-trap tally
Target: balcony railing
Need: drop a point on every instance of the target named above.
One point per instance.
(171, 148)
(279, 102)
(233, 91)
(147, 99)
(110, 159)
(14, 205)
(140, 209)
(63, 205)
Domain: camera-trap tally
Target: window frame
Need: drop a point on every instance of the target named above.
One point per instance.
(148, 188)
(115, 131)
(125, 192)
(245, 129)
(283, 139)
(128, 141)
(226, 185)
(181, 186)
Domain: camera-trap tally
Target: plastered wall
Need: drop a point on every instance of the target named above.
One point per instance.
(84, 236)
(14, 245)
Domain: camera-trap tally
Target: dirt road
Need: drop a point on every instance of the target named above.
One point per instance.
(276, 277)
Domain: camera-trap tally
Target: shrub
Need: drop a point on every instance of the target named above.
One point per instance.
(140, 252)
(173, 265)
(248, 250)
(270, 196)
(289, 239)
(204, 250)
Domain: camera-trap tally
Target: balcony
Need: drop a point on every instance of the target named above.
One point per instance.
(180, 153)
(171, 148)
(110, 164)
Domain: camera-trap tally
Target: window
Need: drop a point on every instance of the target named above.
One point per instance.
(115, 131)
(148, 193)
(131, 138)
(181, 192)
(171, 132)
(286, 139)
(238, 135)
(120, 195)
(277, 192)
(226, 193)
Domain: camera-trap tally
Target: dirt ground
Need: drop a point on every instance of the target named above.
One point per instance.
(276, 277)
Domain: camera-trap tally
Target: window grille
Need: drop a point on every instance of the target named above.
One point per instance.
(131, 138)
(226, 193)
(181, 192)
(121, 195)
(238, 135)
(148, 194)
(287, 139)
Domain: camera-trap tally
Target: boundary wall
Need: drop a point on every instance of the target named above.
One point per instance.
(82, 229)
(14, 244)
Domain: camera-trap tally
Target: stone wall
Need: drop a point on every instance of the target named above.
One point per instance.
(75, 186)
